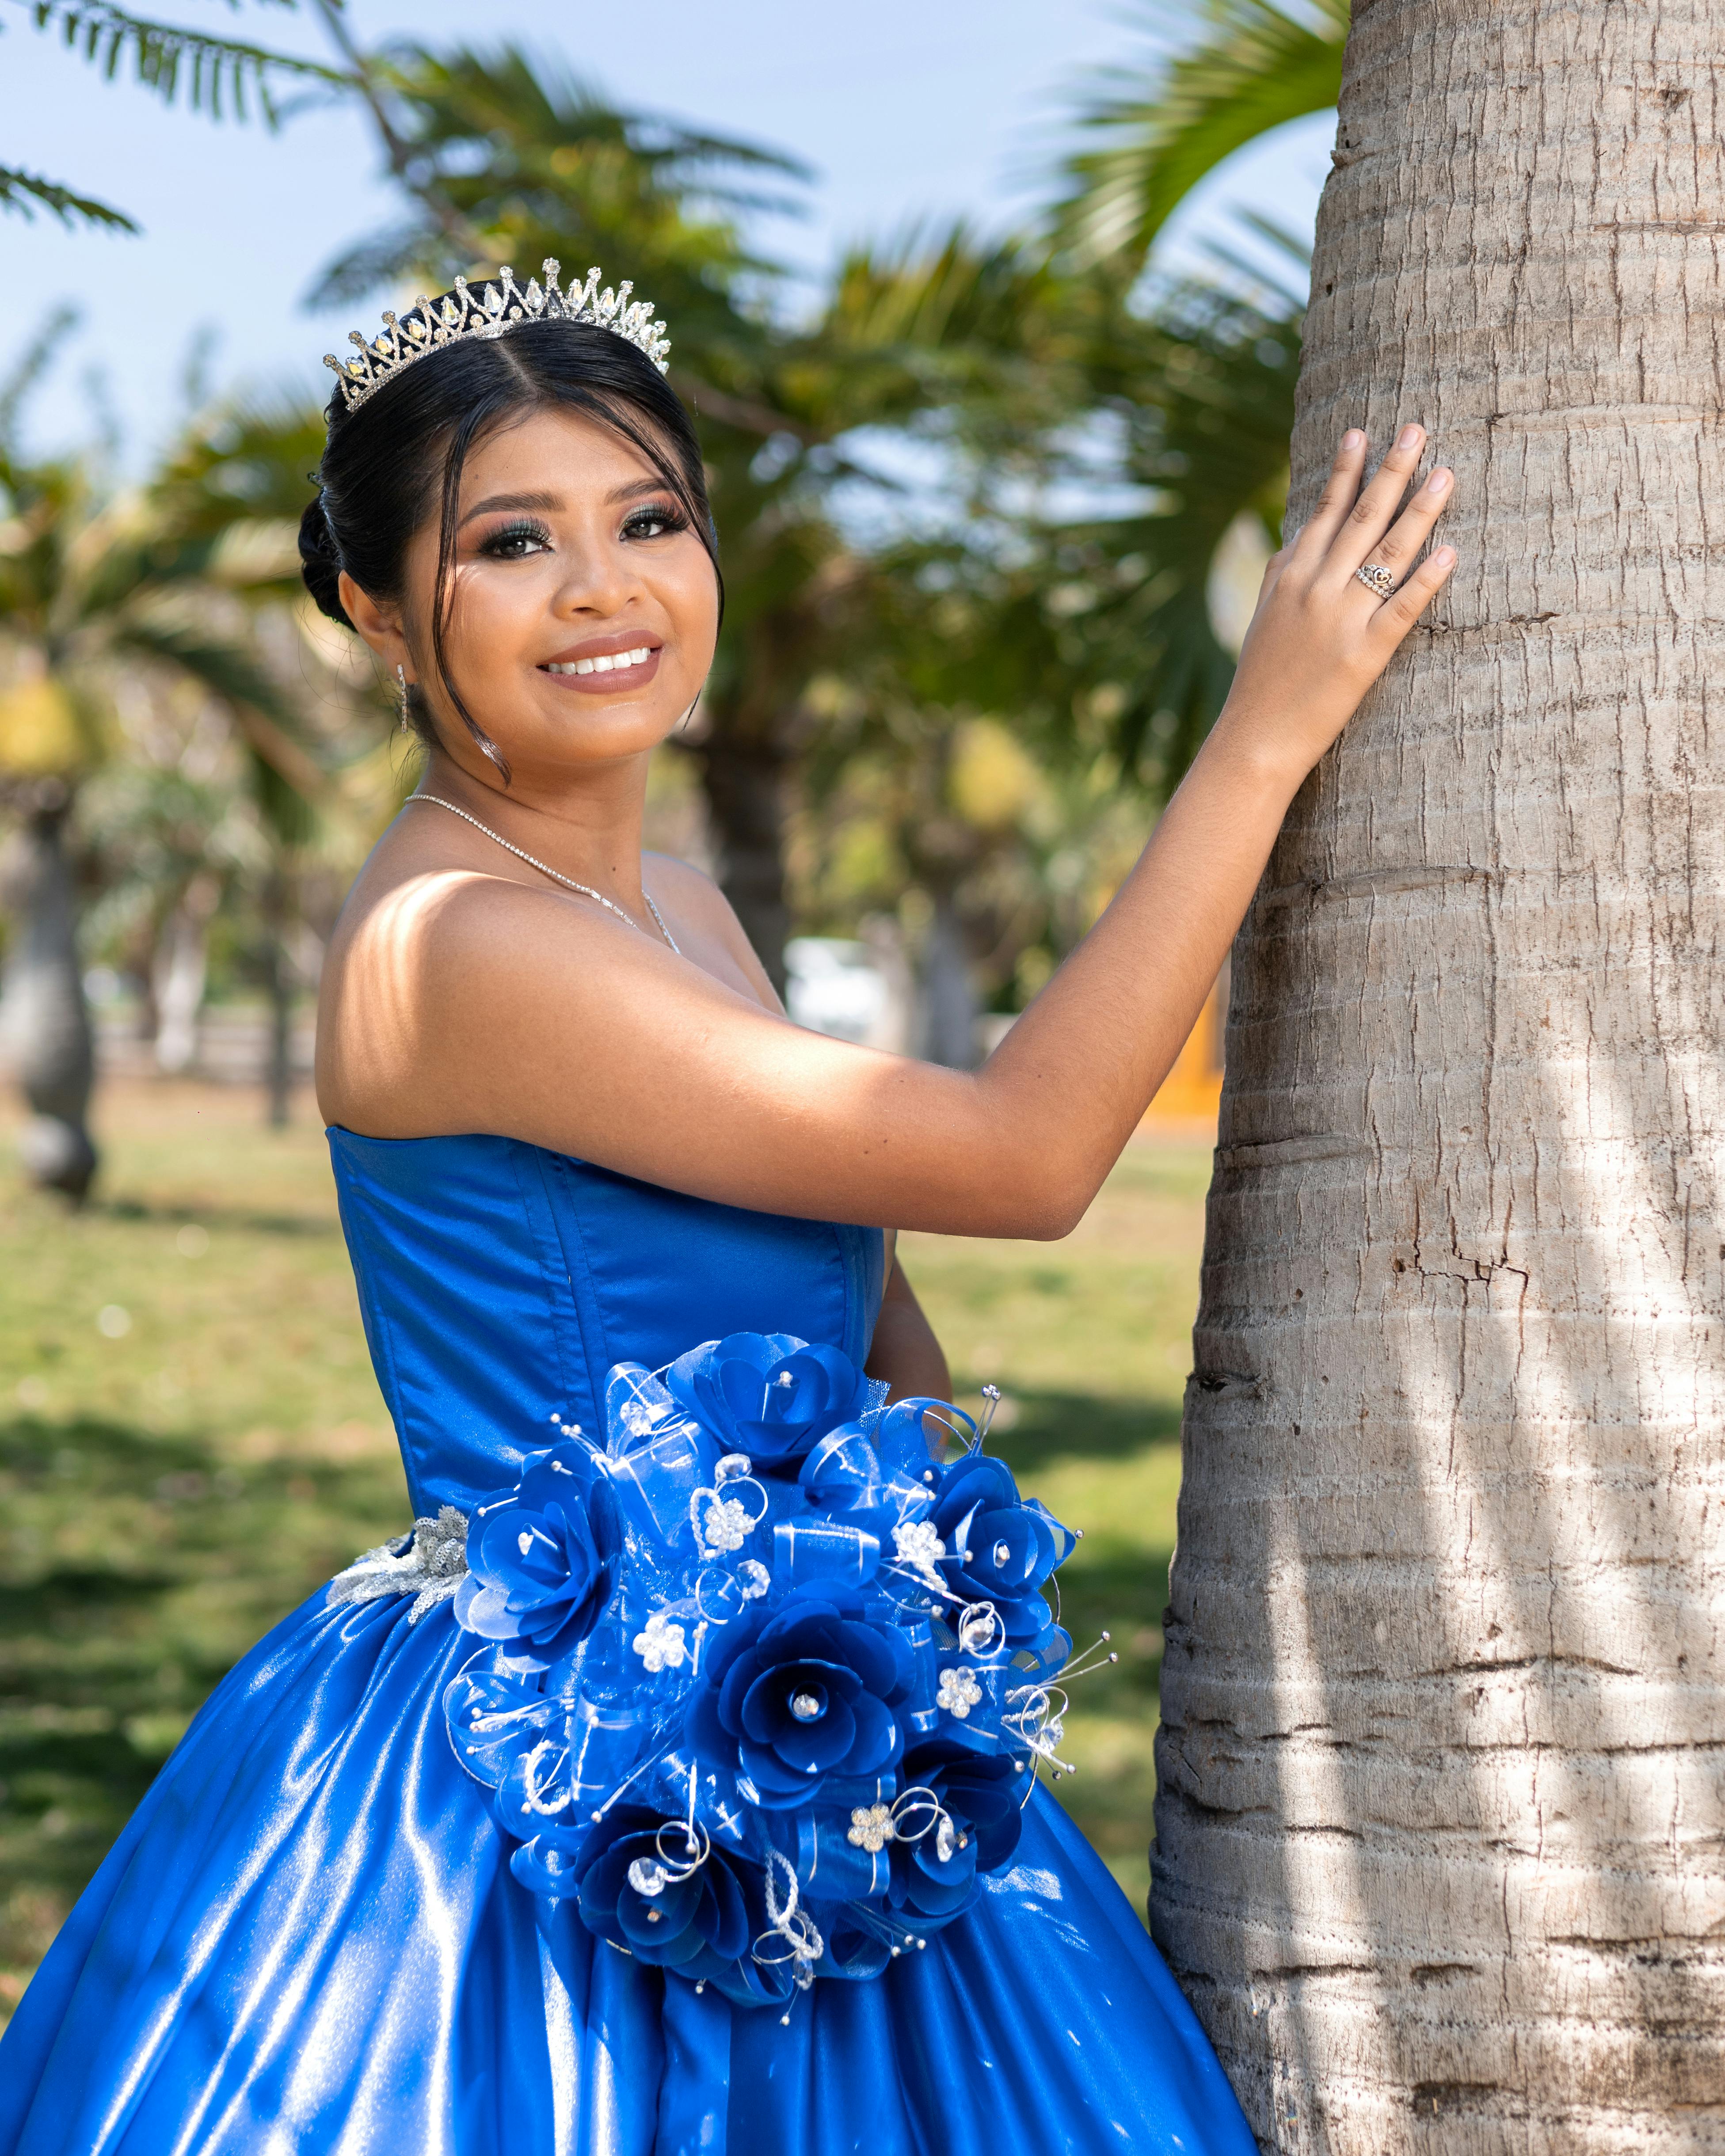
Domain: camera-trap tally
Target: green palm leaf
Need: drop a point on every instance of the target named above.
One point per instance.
(1156, 131)
(26, 192)
(1205, 396)
(218, 76)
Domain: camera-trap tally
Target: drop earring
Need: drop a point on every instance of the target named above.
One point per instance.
(401, 683)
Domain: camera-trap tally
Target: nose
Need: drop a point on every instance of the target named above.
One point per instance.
(599, 577)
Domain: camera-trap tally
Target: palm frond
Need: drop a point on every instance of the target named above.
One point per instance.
(509, 95)
(28, 192)
(931, 331)
(1287, 293)
(265, 714)
(220, 76)
(932, 288)
(510, 157)
(398, 251)
(23, 377)
(245, 461)
(1204, 393)
(1158, 129)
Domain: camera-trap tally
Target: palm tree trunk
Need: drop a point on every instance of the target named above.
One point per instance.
(43, 1018)
(744, 777)
(179, 973)
(1439, 1854)
(948, 997)
(279, 981)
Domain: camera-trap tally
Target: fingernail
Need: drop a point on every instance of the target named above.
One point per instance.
(1354, 440)
(1438, 481)
(1410, 438)
(1443, 558)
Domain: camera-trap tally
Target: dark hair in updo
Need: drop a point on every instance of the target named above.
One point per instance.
(395, 462)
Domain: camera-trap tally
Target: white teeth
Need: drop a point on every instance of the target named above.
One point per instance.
(603, 664)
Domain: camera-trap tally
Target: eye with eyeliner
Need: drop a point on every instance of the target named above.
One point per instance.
(515, 541)
(510, 541)
(655, 519)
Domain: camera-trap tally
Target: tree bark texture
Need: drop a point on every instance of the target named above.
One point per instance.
(45, 1036)
(1440, 1853)
(948, 997)
(278, 910)
(743, 774)
(179, 972)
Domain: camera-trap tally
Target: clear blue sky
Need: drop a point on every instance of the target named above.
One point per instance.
(906, 108)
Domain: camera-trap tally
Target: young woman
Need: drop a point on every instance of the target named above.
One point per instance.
(673, 1787)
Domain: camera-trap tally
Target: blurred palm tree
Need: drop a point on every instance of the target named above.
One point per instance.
(1199, 398)
(960, 779)
(221, 77)
(97, 597)
(1004, 703)
(166, 839)
(1157, 127)
(1198, 380)
(319, 777)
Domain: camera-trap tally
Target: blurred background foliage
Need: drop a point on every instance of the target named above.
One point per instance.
(993, 511)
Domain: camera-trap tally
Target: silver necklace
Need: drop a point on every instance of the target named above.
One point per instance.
(557, 875)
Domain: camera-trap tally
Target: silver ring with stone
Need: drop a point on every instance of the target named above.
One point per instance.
(1376, 578)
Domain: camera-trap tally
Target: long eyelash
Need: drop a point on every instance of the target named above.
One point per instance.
(666, 513)
(526, 528)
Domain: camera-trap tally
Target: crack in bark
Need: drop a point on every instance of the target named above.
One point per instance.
(1287, 1153)
(1376, 883)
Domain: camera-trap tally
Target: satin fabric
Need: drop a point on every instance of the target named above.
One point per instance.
(308, 1942)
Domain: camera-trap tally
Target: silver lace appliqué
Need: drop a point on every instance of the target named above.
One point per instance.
(430, 1568)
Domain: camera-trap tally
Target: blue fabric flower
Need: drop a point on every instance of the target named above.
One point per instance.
(768, 1394)
(542, 1558)
(999, 1549)
(698, 1926)
(984, 1792)
(804, 1693)
(935, 1875)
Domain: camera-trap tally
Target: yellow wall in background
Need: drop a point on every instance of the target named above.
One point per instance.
(1191, 1090)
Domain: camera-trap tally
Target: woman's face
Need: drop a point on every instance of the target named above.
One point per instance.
(584, 608)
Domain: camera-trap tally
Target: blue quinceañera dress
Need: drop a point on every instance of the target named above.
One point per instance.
(670, 1789)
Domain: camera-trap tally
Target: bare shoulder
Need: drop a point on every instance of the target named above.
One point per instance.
(413, 951)
(696, 900)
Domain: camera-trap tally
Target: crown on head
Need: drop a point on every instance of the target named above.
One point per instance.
(501, 307)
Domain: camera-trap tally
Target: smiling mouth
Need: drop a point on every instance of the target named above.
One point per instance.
(619, 662)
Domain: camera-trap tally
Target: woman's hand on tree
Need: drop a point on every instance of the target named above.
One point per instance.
(1319, 637)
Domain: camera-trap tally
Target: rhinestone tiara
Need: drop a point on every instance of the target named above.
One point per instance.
(493, 312)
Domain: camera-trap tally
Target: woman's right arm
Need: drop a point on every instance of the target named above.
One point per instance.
(493, 1007)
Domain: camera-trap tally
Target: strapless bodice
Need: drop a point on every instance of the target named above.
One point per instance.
(499, 1282)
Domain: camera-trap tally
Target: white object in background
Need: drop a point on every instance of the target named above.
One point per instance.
(836, 988)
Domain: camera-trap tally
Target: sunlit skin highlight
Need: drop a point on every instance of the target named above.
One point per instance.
(464, 992)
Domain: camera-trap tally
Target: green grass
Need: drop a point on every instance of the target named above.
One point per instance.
(191, 1440)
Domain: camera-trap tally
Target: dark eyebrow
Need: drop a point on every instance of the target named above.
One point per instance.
(512, 501)
(550, 501)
